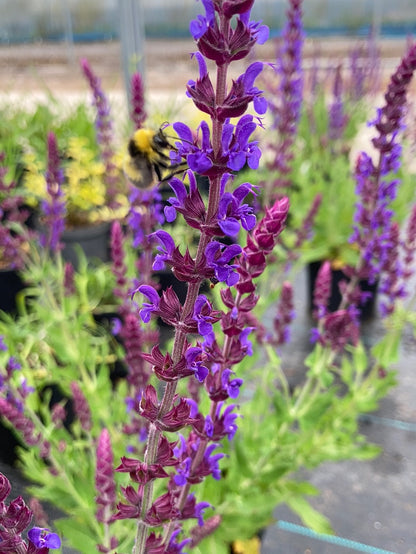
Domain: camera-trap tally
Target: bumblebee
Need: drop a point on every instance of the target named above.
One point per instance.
(148, 160)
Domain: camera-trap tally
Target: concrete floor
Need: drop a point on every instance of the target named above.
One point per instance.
(371, 505)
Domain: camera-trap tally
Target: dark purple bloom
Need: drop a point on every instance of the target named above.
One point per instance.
(219, 257)
(245, 343)
(236, 145)
(212, 461)
(242, 93)
(231, 211)
(203, 316)
(199, 511)
(189, 204)
(202, 91)
(227, 419)
(145, 214)
(152, 305)
(43, 538)
(166, 248)
(199, 26)
(197, 151)
(195, 362)
(232, 386)
(183, 471)
(177, 547)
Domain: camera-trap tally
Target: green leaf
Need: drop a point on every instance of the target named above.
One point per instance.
(310, 517)
(71, 533)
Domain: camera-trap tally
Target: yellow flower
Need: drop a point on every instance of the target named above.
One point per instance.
(84, 187)
(249, 546)
(34, 179)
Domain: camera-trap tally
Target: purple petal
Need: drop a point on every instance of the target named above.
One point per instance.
(150, 293)
(260, 104)
(251, 74)
(183, 131)
(230, 226)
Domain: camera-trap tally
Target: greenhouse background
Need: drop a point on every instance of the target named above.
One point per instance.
(90, 20)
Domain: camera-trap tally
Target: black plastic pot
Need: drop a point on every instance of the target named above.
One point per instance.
(10, 285)
(367, 309)
(94, 241)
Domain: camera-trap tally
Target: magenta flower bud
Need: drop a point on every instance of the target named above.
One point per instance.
(138, 113)
(104, 478)
(58, 415)
(285, 314)
(322, 291)
(210, 525)
(69, 283)
(117, 256)
(17, 516)
(5, 487)
(162, 509)
(20, 422)
(133, 337)
(81, 407)
(133, 508)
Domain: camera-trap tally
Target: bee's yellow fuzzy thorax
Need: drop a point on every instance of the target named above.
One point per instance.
(143, 139)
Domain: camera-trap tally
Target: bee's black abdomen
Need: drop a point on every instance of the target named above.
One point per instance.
(132, 148)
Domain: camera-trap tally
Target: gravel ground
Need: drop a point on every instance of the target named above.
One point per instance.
(54, 66)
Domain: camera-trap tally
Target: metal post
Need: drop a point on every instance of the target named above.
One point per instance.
(131, 39)
(377, 18)
(69, 33)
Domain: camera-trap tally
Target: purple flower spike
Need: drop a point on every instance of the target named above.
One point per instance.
(372, 230)
(43, 538)
(54, 207)
(215, 150)
(104, 130)
(289, 94)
